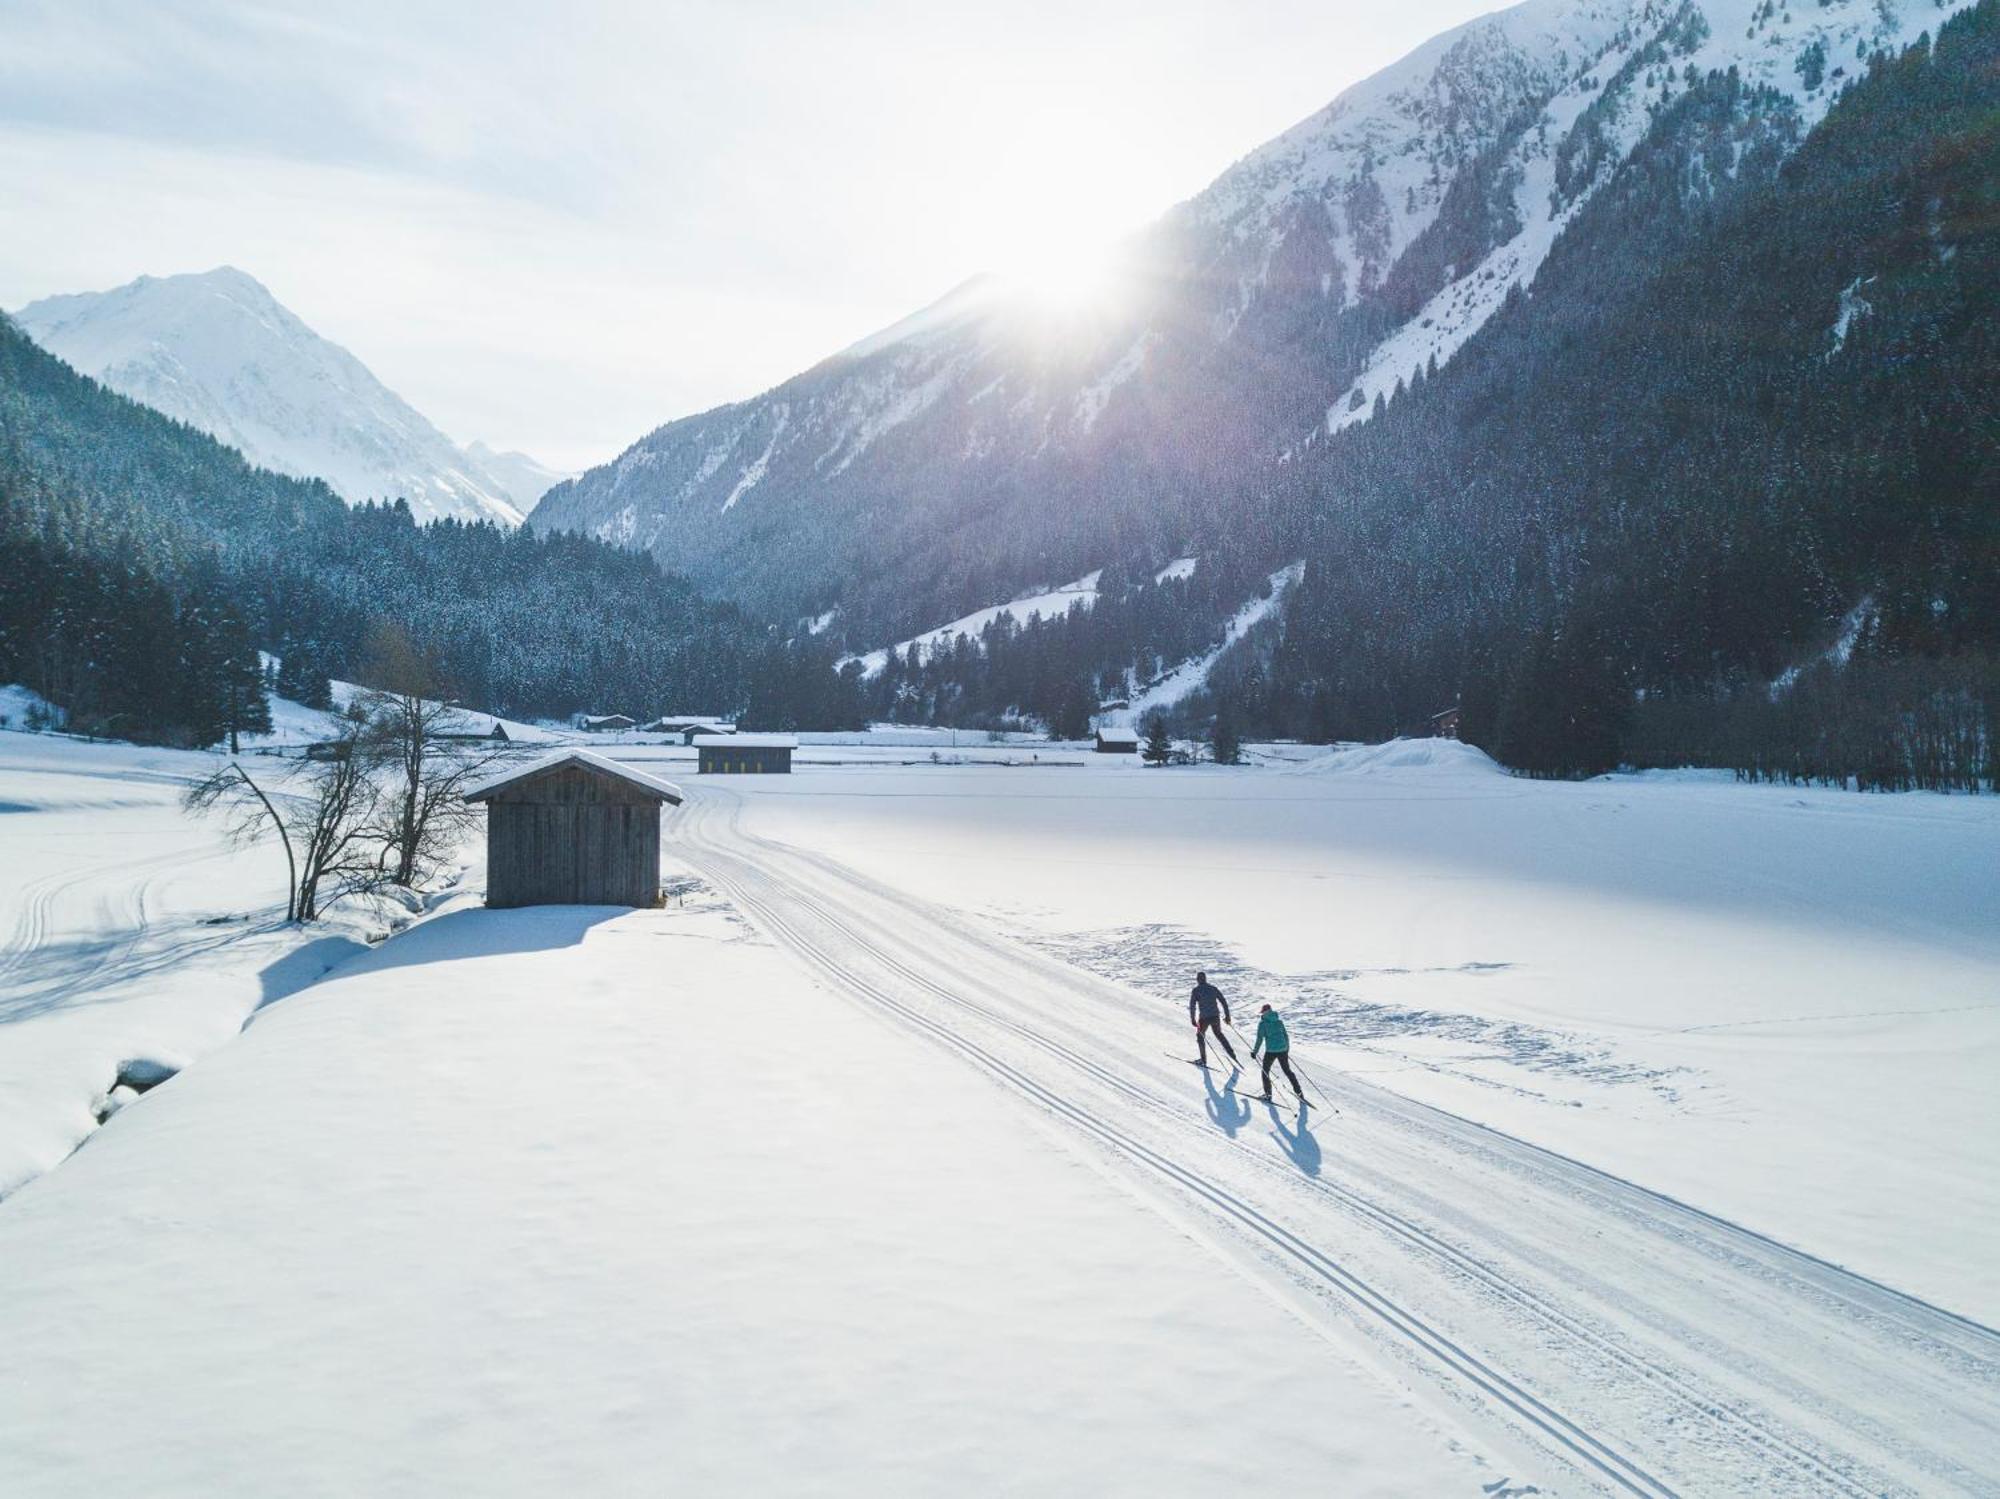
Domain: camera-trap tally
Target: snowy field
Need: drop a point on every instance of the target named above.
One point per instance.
(870, 1163)
(1782, 1005)
(131, 934)
(573, 1199)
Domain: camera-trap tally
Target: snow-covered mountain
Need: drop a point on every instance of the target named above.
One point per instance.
(523, 480)
(219, 352)
(988, 444)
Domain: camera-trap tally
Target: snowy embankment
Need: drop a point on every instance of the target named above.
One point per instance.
(293, 725)
(128, 933)
(588, 1201)
(1780, 1005)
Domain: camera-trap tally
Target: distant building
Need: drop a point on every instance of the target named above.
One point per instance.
(688, 725)
(573, 829)
(1117, 742)
(603, 723)
(1445, 725)
(744, 754)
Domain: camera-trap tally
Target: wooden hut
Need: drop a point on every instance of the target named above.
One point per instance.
(1117, 742)
(744, 754)
(573, 829)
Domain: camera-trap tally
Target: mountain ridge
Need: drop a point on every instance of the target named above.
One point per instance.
(217, 350)
(976, 449)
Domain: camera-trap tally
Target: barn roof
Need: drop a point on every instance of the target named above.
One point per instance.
(747, 741)
(583, 759)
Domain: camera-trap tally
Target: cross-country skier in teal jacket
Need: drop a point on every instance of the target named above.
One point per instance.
(1276, 1045)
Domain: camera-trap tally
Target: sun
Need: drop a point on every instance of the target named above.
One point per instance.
(1066, 282)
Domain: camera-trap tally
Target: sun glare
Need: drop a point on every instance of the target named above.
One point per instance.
(1066, 282)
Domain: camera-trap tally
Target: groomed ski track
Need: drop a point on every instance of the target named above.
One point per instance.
(1635, 1344)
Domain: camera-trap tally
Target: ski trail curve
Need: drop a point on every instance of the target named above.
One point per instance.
(1646, 1347)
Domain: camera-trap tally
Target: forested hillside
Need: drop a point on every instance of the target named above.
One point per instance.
(1749, 415)
(991, 444)
(1723, 488)
(146, 564)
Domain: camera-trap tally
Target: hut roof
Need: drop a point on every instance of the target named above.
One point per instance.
(585, 759)
(747, 741)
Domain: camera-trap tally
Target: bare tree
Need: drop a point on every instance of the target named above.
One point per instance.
(416, 735)
(226, 790)
(324, 811)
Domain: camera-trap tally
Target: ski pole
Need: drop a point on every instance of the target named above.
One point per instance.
(1325, 1102)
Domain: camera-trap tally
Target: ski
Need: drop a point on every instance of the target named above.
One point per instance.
(1260, 1098)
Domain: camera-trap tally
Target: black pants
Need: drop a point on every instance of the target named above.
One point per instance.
(1284, 1060)
(1201, 1030)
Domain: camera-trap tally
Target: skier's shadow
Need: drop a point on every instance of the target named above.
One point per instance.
(1298, 1141)
(1226, 1107)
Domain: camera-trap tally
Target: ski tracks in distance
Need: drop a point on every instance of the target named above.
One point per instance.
(1632, 1341)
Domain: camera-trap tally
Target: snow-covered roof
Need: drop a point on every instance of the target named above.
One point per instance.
(587, 759)
(748, 741)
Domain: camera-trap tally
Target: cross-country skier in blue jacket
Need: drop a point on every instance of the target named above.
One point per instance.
(1277, 1047)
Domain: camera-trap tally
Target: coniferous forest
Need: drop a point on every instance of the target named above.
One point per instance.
(1724, 489)
(147, 565)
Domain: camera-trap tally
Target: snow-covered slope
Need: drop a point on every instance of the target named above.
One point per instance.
(985, 444)
(1038, 603)
(521, 478)
(1192, 674)
(219, 352)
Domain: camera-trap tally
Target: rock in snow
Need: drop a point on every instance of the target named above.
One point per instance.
(220, 353)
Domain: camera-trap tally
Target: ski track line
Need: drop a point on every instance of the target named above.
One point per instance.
(1755, 1439)
(121, 912)
(1745, 1248)
(1621, 1471)
(1705, 1404)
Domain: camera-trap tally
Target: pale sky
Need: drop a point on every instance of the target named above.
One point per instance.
(553, 227)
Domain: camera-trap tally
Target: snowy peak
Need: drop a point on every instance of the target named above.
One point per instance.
(975, 449)
(218, 351)
(523, 480)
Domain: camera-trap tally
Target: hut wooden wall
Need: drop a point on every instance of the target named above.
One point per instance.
(571, 838)
(715, 759)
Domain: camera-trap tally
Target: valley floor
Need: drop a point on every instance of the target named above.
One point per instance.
(872, 1162)
(1780, 1004)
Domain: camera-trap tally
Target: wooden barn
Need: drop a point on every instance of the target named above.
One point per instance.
(573, 829)
(744, 754)
(1117, 742)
